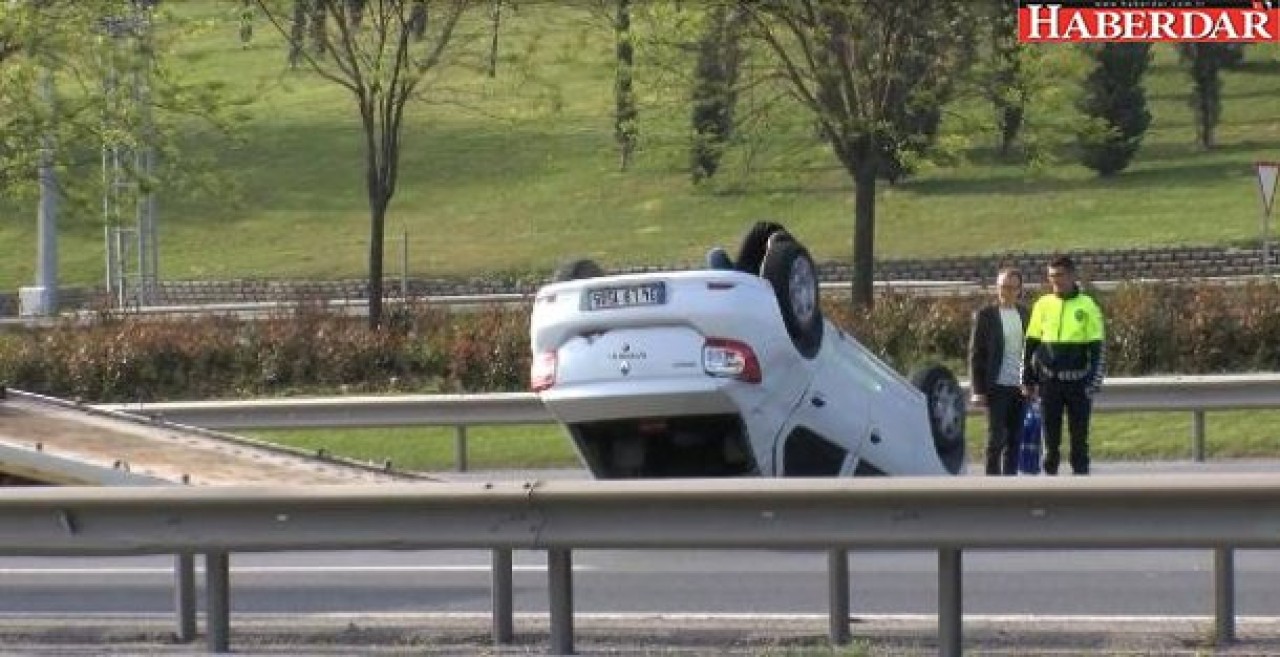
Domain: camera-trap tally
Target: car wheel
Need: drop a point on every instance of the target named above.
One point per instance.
(945, 405)
(576, 269)
(753, 246)
(790, 270)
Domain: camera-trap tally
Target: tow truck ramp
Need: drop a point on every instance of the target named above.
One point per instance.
(45, 440)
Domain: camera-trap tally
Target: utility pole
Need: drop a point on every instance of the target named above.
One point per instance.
(128, 161)
(47, 216)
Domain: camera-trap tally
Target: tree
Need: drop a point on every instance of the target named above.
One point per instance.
(319, 38)
(916, 107)
(625, 123)
(418, 20)
(1205, 62)
(715, 89)
(842, 60)
(298, 31)
(31, 54)
(1232, 55)
(373, 55)
(495, 19)
(246, 22)
(1116, 101)
(69, 38)
(1008, 86)
(9, 46)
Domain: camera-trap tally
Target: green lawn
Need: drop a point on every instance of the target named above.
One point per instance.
(520, 172)
(431, 448)
(1116, 437)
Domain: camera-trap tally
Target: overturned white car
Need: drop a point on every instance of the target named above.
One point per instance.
(731, 371)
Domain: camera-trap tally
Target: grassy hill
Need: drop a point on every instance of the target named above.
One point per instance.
(516, 172)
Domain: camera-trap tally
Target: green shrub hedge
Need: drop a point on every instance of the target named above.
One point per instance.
(312, 350)
(1152, 329)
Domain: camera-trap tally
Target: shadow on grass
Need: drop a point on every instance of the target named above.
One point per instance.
(1151, 151)
(1155, 177)
(1174, 151)
(1227, 96)
(1269, 67)
(767, 190)
(782, 167)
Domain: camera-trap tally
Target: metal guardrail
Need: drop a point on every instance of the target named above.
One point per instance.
(348, 411)
(1215, 512)
(1197, 394)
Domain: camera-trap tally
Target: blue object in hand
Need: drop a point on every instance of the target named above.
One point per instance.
(1029, 442)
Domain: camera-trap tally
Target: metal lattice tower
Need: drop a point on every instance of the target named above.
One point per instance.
(128, 158)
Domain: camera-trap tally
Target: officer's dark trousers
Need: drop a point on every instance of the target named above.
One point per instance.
(1005, 408)
(1069, 396)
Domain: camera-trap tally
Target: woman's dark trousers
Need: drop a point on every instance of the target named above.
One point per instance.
(1005, 409)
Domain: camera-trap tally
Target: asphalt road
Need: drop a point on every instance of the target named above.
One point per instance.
(765, 589)
(649, 602)
(1052, 583)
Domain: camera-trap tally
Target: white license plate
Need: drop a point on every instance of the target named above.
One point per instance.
(627, 296)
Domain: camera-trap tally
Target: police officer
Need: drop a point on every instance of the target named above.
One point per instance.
(1063, 363)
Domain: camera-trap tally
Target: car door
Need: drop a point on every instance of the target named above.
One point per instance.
(826, 430)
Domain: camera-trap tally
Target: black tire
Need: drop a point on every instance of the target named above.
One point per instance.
(791, 271)
(753, 246)
(944, 401)
(576, 269)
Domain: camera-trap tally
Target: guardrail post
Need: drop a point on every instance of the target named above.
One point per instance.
(184, 597)
(1197, 435)
(1224, 595)
(218, 604)
(950, 608)
(460, 447)
(838, 596)
(560, 583)
(503, 609)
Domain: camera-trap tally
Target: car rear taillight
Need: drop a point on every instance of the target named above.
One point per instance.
(730, 359)
(542, 371)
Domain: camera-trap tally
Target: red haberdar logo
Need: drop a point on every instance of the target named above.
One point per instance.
(1211, 21)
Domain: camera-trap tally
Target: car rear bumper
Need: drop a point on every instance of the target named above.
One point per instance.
(640, 399)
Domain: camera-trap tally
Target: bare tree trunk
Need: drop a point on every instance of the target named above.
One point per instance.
(319, 40)
(377, 235)
(864, 235)
(378, 188)
(418, 19)
(496, 21)
(297, 32)
(355, 9)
